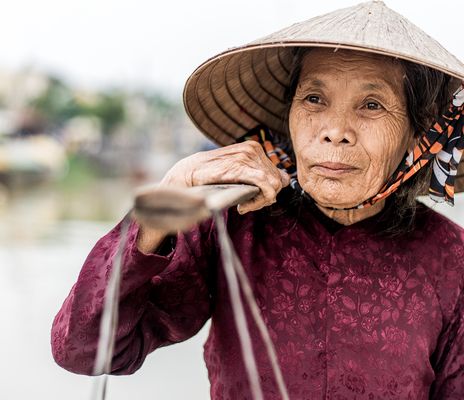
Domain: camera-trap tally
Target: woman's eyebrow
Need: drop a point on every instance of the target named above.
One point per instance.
(380, 85)
(312, 82)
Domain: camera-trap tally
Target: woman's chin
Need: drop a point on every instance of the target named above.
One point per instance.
(334, 197)
(335, 203)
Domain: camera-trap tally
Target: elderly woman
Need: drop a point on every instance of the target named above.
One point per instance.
(360, 287)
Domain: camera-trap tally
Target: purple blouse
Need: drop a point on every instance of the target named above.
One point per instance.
(353, 315)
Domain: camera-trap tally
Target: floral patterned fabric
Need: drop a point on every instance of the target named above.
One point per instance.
(353, 315)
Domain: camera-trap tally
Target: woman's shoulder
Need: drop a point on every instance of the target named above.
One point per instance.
(441, 244)
(441, 238)
(438, 226)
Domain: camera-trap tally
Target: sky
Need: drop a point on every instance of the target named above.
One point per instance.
(157, 44)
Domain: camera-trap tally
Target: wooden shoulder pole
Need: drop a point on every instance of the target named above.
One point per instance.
(176, 209)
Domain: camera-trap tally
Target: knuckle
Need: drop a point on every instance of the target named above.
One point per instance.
(275, 182)
(253, 144)
(244, 156)
(269, 197)
(272, 194)
(253, 147)
(260, 175)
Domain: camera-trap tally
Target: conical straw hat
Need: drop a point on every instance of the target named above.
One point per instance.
(244, 86)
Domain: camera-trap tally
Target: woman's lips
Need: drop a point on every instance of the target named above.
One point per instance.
(333, 169)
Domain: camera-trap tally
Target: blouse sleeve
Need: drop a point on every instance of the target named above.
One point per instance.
(164, 298)
(449, 358)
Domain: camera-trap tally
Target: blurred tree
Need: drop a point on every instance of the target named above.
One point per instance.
(110, 108)
(162, 106)
(56, 104)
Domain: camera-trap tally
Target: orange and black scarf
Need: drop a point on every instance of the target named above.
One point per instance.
(442, 144)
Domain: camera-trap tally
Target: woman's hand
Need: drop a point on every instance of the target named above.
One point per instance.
(237, 163)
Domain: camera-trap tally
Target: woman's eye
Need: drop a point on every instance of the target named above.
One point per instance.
(313, 99)
(372, 105)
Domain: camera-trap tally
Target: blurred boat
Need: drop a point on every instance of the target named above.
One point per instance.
(31, 159)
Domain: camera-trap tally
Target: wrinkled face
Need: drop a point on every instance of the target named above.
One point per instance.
(348, 124)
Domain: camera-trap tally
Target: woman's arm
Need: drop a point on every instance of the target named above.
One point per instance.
(164, 299)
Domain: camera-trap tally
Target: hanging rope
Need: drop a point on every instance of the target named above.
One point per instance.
(236, 279)
(237, 308)
(232, 265)
(109, 319)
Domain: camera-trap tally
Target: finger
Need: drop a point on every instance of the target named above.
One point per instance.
(269, 185)
(252, 205)
(285, 177)
(278, 173)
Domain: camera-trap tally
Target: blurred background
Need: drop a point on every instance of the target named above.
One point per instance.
(90, 108)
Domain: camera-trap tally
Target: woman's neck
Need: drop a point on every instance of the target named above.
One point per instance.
(349, 217)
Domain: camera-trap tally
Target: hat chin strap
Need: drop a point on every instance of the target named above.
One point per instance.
(442, 144)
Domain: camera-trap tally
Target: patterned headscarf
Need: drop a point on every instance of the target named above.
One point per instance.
(443, 144)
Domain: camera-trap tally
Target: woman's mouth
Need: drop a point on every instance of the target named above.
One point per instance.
(333, 168)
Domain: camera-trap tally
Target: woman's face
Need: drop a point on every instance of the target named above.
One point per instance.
(348, 124)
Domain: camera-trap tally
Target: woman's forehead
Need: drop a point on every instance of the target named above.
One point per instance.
(371, 71)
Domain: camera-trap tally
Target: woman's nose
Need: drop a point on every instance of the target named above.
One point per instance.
(338, 131)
